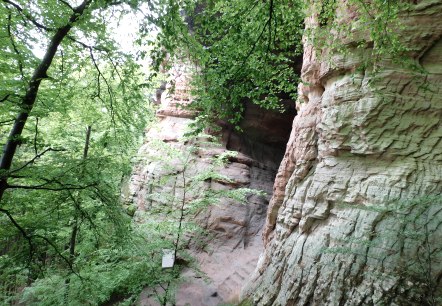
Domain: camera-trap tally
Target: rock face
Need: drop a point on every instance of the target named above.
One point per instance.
(340, 228)
(233, 241)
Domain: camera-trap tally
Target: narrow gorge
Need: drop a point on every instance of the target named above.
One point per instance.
(221, 152)
(231, 253)
(352, 172)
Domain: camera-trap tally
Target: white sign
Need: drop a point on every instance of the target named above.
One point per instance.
(168, 258)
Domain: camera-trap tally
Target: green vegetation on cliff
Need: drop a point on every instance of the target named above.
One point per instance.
(72, 110)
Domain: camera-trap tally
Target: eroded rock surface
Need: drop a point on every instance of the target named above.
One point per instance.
(339, 228)
(233, 241)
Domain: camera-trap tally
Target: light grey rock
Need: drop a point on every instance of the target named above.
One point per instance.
(340, 229)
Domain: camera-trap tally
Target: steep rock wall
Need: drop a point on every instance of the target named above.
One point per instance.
(361, 145)
(232, 243)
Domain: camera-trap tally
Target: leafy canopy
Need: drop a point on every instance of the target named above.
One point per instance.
(243, 50)
(73, 107)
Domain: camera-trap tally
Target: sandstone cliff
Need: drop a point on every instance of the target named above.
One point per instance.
(355, 211)
(229, 249)
(340, 228)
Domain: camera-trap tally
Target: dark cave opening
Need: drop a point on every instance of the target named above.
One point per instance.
(264, 134)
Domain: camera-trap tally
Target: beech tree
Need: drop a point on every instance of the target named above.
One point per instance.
(251, 51)
(243, 51)
(56, 30)
(72, 110)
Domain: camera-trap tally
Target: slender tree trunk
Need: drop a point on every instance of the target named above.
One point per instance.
(30, 97)
(73, 239)
(75, 225)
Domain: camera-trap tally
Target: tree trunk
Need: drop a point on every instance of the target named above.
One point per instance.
(29, 99)
(75, 228)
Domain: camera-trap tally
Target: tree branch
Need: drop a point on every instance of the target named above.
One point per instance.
(11, 38)
(246, 58)
(270, 27)
(43, 187)
(28, 16)
(28, 101)
(7, 121)
(5, 98)
(115, 69)
(35, 137)
(34, 159)
(109, 90)
(21, 230)
(85, 215)
(86, 46)
(31, 244)
(100, 74)
(69, 263)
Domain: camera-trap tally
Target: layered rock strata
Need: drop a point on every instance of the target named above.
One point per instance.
(232, 241)
(341, 227)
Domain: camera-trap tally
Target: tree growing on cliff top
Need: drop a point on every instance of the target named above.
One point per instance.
(248, 50)
(243, 51)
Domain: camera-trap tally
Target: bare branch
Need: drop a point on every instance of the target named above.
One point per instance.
(11, 38)
(28, 16)
(34, 159)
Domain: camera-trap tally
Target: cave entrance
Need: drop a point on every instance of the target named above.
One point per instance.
(265, 133)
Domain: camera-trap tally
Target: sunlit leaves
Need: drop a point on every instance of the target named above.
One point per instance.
(243, 50)
(53, 186)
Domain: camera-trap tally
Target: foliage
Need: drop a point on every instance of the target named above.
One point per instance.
(244, 51)
(248, 50)
(64, 236)
(71, 111)
(114, 272)
(60, 190)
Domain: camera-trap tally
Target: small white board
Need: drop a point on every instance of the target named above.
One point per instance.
(168, 259)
